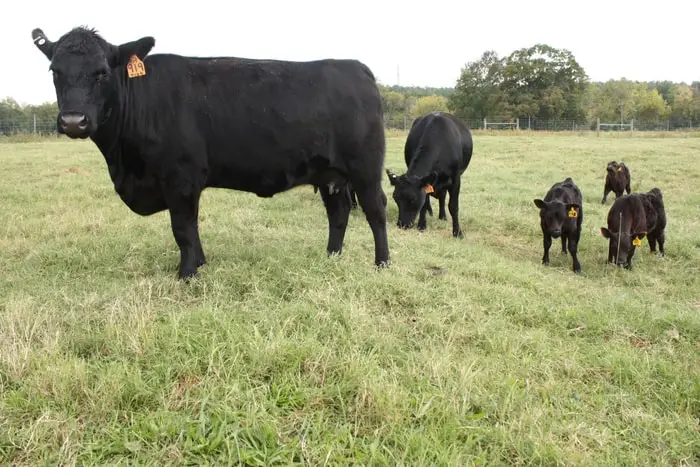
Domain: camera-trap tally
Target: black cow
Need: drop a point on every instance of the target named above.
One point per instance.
(170, 126)
(437, 152)
(617, 180)
(630, 219)
(561, 215)
(349, 192)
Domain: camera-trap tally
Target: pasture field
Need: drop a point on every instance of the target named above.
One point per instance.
(463, 352)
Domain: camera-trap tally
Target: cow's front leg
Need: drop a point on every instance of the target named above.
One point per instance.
(183, 204)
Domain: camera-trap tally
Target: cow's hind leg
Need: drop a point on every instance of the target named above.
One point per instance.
(372, 199)
(338, 210)
(453, 205)
(652, 242)
(563, 243)
(606, 192)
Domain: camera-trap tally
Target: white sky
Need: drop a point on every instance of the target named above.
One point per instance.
(430, 41)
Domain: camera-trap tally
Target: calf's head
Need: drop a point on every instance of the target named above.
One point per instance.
(621, 245)
(85, 71)
(554, 214)
(615, 169)
(409, 193)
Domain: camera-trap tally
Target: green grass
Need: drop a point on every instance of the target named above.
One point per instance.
(280, 355)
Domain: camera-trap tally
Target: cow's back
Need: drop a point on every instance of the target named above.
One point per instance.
(443, 136)
(263, 125)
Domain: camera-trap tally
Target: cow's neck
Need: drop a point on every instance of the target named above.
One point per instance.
(110, 133)
(422, 163)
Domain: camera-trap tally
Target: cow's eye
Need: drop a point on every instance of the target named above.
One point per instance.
(100, 75)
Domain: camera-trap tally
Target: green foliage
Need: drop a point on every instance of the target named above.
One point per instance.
(427, 104)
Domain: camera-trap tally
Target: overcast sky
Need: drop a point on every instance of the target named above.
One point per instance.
(430, 43)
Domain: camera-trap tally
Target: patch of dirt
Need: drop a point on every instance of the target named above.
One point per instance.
(76, 170)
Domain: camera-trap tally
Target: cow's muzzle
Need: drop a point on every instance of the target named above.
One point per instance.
(73, 124)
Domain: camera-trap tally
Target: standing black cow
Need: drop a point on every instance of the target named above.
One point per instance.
(170, 126)
(561, 215)
(437, 152)
(630, 218)
(617, 180)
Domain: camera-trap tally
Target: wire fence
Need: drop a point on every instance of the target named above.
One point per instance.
(536, 124)
(31, 125)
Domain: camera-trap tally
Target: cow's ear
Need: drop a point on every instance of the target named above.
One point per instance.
(539, 203)
(429, 179)
(573, 209)
(43, 43)
(638, 235)
(392, 176)
(605, 232)
(140, 48)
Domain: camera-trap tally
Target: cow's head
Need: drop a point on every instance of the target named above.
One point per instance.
(614, 168)
(409, 193)
(554, 214)
(624, 242)
(85, 69)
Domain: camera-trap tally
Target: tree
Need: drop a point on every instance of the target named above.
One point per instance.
(429, 104)
(683, 102)
(544, 82)
(477, 92)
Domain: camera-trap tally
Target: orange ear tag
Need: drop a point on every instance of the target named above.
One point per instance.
(135, 67)
(429, 189)
(619, 169)
(573, 213)
(637, 242)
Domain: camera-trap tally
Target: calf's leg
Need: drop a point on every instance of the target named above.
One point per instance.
(573, 249)
(563, 243)
(661, 237)
(547, 243)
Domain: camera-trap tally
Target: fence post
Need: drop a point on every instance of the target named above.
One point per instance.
(484, 123)
(529, 127)
(668, 125)
(632, 125)
(34, 117)
(597, 131)
(517, 123)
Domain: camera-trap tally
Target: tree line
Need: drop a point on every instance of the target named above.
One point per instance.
(538, 82)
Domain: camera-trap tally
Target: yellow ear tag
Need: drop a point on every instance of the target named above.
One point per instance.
(573, 213)
(429, 189)
(636, 241)
(135, 67)
(619, 169)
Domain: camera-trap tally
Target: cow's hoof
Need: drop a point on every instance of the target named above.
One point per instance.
(458, 234)
(187, 275)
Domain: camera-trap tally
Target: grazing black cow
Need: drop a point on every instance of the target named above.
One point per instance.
(561, 215)
(630, 219)
(170, 126)
(349, 192)
(617, 180)
(437, 152)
